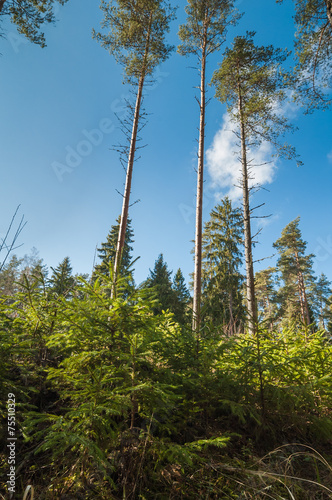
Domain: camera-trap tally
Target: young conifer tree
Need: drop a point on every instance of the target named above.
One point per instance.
(265, 290)
(222, 258)
(181, 298)
(160, 280)
(250, 82)
(296, 270)
(204, 32)
(136, 38)
(322, 294)
(107, 250)
(62, 280)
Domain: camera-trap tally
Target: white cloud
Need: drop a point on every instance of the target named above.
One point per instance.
(224, 167)
(329, 156)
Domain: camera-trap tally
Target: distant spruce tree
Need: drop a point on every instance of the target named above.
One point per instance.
(160, 280)
(321, 299)
(266, 294)
(107, 250)
(62, 281)
(222, 258)
(182, 298)
(296, 272)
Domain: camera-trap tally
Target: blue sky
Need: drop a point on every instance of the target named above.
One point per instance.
(58, 108)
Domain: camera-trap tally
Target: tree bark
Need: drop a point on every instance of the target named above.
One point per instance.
(130, 165)
(231, 317)
(250, 283)
(126, 196)
(329, 10)
(199, 201)
(303, 295)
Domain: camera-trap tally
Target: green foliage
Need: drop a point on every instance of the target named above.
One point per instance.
(321, 295)
(296, 272)
(222, 257)
(296, 380)
(206, 25)
(124, 396)
(266, 294)
(254, 74)
(313, 45)
(182, 298)
(30, 15)
(107, 251)
(62, 282)
(160, 281)
(173, 296)
(136, 36)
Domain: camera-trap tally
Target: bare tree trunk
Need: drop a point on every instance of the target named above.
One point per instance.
(199, 203)
(231, 322)
(269, 309)
(130, 165)
(250, 283)
(303, 295)
(322, 315)
(126, 196)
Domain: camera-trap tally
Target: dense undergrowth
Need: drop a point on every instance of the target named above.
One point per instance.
(114, 402)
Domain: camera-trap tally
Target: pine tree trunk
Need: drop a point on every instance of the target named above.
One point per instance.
(269, 309)
(322, 321)
(329, 10)
(199, 203)
(130, 165)
(231, 321)
(303, 295)
(250, 283)
(126, 196)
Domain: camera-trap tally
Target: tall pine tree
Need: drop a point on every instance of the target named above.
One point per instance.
(204, 32)
(250, 82)
(136, 38)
